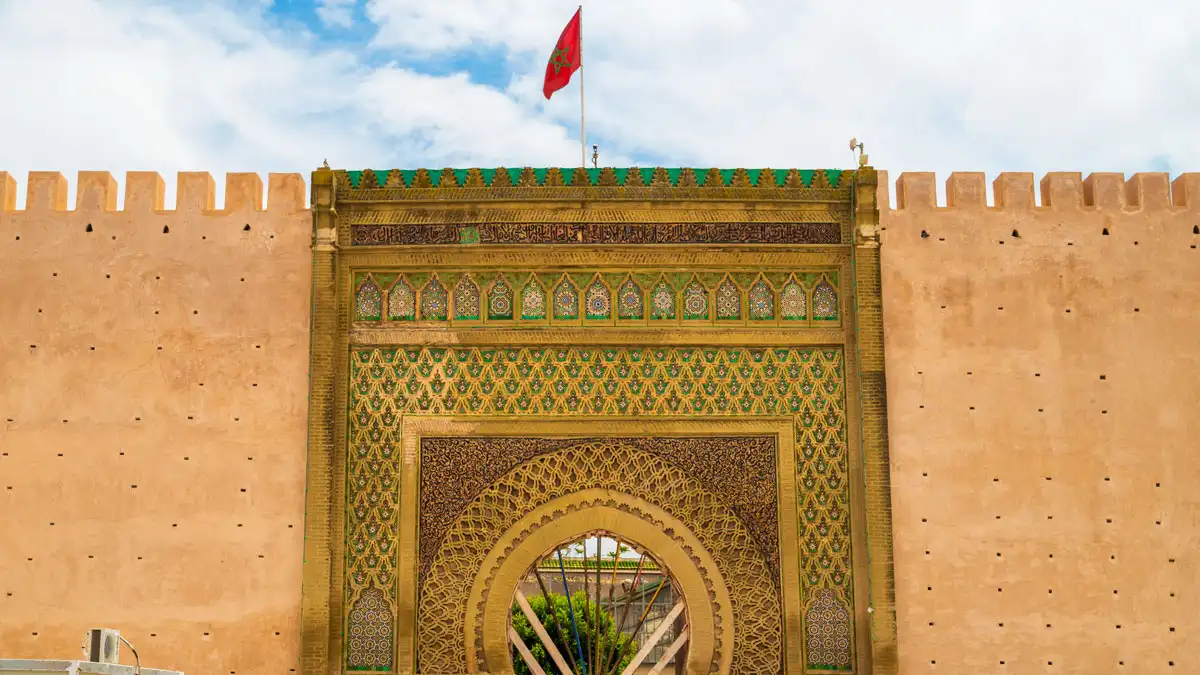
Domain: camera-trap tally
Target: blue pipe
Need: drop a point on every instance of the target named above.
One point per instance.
(570, 609)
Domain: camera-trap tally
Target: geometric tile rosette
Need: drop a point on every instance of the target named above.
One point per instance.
(369, 631)
(804, 382)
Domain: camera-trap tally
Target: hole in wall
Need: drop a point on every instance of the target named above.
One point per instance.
(246, 228)
(88, 228)
(166, 230)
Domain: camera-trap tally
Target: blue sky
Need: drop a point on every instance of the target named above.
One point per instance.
(928, 85)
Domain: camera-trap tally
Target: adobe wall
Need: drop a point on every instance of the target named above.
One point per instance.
(1044, 409)
(1042, 381)
(153, 405)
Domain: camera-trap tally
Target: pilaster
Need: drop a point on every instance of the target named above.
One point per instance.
(877, 490)
(318, 627)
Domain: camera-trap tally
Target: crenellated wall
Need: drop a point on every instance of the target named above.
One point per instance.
(1043, 380)
(153, 403)
(1044, 408)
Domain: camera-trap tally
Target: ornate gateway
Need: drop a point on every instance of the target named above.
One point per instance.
(688, 363)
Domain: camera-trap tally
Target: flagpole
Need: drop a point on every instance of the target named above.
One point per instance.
(582, 124)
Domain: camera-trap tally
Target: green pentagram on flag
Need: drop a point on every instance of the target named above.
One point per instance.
(561, 59)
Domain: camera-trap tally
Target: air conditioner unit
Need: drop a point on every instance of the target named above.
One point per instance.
(104, 645)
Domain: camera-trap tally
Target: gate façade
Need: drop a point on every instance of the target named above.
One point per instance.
(503, 358)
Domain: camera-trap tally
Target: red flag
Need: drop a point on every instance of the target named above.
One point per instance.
(566, 58)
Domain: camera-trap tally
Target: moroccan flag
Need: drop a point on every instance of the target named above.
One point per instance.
(566, 58)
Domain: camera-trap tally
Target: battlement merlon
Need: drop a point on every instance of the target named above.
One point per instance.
(145, 190)
(1060, 191)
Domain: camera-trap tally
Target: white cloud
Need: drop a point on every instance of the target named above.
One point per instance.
(338, 13)
(926, 84)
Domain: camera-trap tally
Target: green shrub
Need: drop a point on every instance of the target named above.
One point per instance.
(585, 620)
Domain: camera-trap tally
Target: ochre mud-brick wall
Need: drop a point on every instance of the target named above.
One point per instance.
(1042, 393)
(153, 389)
(1043, 366)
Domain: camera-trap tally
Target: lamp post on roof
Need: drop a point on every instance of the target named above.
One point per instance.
(857, 148)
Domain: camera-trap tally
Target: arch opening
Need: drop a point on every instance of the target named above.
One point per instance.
(625, 615)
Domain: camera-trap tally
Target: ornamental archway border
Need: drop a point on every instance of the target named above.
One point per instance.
(780, 429)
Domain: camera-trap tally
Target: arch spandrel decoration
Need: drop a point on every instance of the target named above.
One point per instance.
(608, 337)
